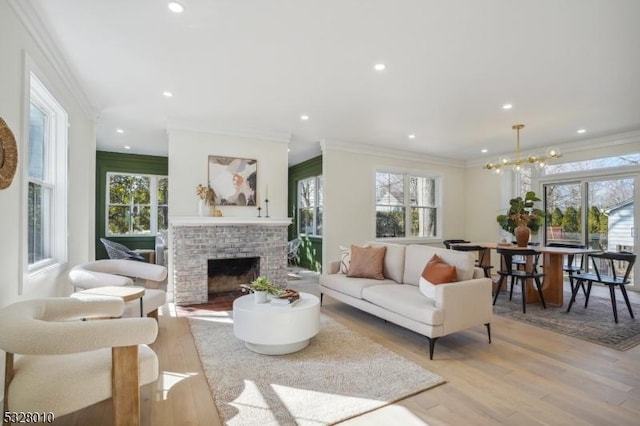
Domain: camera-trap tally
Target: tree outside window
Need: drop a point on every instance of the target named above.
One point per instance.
(310, 206)
(46, 190)
(404, 203)
(136, 204)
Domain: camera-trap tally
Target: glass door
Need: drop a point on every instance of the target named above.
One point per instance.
(596, 212)
(563, 209)
(610, 215)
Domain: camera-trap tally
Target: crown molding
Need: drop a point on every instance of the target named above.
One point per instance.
(175, 125)
(397, 154)
(36, 28)
(576, 146)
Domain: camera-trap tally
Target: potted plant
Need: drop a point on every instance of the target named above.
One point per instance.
(522, 218)
(262, 288)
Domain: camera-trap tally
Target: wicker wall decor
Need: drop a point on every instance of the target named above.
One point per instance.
(8, 155)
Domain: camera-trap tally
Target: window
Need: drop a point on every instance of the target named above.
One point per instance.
(136, 204)
(310, 206)
(406, 205)
(46, 187)
(597, 163)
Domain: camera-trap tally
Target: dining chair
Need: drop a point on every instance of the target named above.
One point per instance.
(449, 243)
(520, 262)
(480, 261)
(605, 271)
(574, 263)
(507, 270)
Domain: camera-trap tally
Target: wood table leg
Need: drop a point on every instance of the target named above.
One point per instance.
(553, 281)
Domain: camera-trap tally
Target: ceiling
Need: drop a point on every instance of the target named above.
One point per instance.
(255, 66)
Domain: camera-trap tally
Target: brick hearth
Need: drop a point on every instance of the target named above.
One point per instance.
(196, 240)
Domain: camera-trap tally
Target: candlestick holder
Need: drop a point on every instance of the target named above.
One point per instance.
(259, 210)
(266, 204)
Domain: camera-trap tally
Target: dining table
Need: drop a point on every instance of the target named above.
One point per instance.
(552, 266)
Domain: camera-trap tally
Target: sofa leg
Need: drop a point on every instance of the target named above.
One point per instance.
(432, 344)
(488, 325)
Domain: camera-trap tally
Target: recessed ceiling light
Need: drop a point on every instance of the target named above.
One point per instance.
(507, 106)
(379, 67)
(412, 136)
(484, 150)
(167, 94)
(175, 7)
(304, 117)
(119, 131)
(127, 147)
(581, 131)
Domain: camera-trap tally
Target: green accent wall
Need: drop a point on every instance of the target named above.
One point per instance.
(310, 253)
(123, 163)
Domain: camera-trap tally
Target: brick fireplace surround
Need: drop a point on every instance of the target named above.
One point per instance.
(195, 240)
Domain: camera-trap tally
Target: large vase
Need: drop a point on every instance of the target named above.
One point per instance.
(522, 234)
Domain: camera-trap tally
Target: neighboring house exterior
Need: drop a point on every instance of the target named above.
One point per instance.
(621, 228)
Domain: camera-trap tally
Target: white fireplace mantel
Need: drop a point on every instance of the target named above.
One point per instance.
(228, 221)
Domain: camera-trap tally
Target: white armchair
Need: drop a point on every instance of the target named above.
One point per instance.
(122, 272)
(55, 362)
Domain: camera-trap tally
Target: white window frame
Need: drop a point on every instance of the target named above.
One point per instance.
(56, 147)
(407, 206)
(316, 204)
(153, 204)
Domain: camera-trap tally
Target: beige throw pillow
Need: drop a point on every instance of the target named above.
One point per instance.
(367, 262)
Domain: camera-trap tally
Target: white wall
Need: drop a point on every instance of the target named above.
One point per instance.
(14, 41)
(349, 191)
(188, 157)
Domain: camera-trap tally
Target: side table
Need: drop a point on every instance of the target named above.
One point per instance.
(127, 293)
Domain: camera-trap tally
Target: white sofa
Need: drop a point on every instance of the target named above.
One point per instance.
(123, 272)
(456, 306)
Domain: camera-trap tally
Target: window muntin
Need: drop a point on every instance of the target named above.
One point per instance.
(310, 206)
(46, 179)
(406, 205)
(137, 205)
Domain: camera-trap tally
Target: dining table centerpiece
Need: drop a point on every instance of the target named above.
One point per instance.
(522, 218)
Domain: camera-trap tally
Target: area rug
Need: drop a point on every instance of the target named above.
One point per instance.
(341, 374)
(594, 324)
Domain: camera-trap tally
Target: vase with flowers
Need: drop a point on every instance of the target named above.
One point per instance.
(522, 218)
(206, 201)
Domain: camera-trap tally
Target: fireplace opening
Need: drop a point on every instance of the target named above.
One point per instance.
(226, 275)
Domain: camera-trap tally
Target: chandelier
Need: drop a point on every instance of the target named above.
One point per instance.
(539, 161)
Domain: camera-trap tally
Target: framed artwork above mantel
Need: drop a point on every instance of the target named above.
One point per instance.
(234, 180)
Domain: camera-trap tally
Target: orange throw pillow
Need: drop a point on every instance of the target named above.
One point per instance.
(367, 262)
(437, 271)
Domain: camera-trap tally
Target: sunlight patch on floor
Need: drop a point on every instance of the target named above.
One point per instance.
(168, 379)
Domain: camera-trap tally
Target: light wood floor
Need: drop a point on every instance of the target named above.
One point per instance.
(527, 376)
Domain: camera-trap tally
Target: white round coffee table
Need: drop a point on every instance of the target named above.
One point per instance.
(276, 330)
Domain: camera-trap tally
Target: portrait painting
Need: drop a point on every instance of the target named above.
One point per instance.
(234, 180)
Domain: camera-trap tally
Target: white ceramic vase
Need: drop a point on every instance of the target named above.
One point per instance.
(203, 209)
(261, 296)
